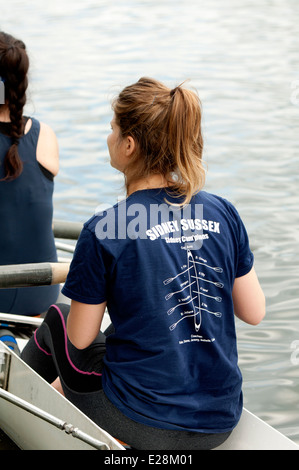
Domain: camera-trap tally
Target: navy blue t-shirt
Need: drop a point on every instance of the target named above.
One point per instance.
(167, 275)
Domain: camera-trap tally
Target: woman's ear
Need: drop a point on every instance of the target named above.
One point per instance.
(130, 146)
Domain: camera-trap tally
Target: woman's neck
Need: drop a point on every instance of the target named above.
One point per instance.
(4, 114)
(150, 182)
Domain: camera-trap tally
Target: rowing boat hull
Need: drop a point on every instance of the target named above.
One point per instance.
(252, 433)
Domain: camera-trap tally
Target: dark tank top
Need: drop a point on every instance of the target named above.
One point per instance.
(26, 211)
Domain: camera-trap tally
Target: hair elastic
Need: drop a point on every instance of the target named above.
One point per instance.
(173, 91)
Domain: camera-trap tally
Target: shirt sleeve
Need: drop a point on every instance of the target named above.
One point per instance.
(86, 281)
(245, 255)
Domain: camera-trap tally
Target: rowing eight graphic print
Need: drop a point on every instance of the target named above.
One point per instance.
(193, 295)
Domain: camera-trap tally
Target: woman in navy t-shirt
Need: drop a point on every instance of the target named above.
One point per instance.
(172, 264)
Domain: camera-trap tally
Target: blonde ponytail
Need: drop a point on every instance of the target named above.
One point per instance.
(186, 142)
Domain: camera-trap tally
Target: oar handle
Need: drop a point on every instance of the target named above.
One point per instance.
(33, 274)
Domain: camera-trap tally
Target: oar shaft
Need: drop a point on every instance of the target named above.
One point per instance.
(64, 247)
(33, 274)
(13, 320)
(69, 230)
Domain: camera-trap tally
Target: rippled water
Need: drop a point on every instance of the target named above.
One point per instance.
(243, 58)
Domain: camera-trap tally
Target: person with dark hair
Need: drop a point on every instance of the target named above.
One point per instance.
(29, 160)
(172, 264)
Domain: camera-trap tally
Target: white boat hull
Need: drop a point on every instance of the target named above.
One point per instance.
(30, 432)
(252, 433)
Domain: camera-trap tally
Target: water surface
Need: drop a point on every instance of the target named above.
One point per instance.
(243, 59)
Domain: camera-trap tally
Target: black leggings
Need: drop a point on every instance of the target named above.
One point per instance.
(50, 354)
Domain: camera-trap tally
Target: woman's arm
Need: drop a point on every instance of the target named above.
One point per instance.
(84, 323)
(47, 152)
(249, 299)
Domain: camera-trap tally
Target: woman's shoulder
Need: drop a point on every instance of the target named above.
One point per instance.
(206, 197)
(44, 131)
(218, 203)
(47, 152)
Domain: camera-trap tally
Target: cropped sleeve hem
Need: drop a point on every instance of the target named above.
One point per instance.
(246, 269)
(79, 298)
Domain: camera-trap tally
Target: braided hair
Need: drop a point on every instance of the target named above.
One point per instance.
(14, 65)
